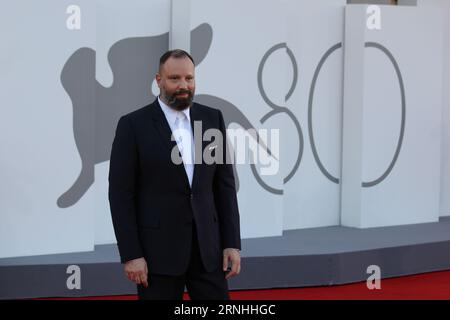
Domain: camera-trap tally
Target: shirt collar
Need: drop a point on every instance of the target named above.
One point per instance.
(171, 114)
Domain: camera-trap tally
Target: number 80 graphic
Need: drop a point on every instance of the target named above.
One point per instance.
(276, 109)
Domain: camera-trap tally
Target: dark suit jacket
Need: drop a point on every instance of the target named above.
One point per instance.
(152, 204)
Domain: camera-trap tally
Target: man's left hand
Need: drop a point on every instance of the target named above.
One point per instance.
(233, 255)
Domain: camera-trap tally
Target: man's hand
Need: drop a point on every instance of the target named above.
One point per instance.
(234, 256)
(136, 270)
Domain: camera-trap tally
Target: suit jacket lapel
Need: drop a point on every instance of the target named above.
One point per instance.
(198, 143)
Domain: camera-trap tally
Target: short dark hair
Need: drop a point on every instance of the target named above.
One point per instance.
(176, 53)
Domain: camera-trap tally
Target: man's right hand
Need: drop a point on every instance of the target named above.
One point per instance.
(136, 270)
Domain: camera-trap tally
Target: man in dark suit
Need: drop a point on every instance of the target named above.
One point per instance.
(175, 216)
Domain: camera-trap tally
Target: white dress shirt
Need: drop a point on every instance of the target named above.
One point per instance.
(180, 125)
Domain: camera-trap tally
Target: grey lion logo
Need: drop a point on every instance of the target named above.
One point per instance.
(97, 109)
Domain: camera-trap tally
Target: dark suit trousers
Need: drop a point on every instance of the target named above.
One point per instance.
(201, 285)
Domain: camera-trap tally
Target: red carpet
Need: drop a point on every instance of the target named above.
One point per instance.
(429, 286)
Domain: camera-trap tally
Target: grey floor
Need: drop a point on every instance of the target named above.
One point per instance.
(298, 258)
(315, 241)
